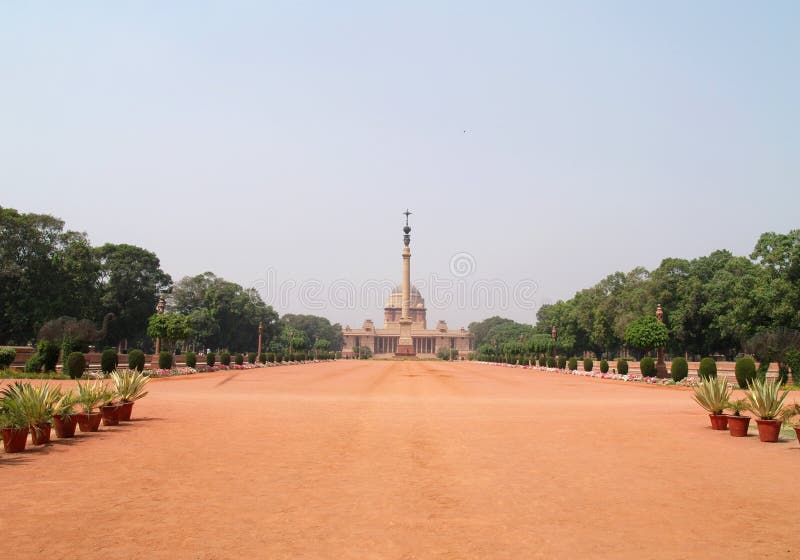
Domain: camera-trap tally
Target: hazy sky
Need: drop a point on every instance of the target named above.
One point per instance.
(279, 142)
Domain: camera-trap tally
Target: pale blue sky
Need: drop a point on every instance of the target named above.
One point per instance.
(242, 136)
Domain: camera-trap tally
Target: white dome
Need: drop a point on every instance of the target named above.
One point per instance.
(395, 299)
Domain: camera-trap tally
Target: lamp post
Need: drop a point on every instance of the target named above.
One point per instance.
(160, 308)
(661, 367)
(553, 334)
(260, 333)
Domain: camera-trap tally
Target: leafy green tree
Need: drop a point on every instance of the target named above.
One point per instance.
(315, 328)
(646, 333)
(171, 328)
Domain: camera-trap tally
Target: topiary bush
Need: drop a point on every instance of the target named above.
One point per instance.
(262, 357)
(679, 369)
(211, 359)
(7, 356)
(551, 362)
(108, 360)
(33, 364)
(225, 359)
(588, 364)
(603, 366)
(707, 369)
(136, 360)
(543, 361)
(76, 365)
(562, 362)
(647, 366)
(745, 371)
(622, 366)
(191, 360)
(251, 357)
(165, 360)
(48, 352)
(572, 364)
(239, 359)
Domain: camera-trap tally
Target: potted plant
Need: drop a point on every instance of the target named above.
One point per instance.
(109, 409)
(791, 416)
(737, 423)
(90, 395)
(129, 388)
(65, 419)
(713, 394)
(14, 426)
(765, 400)
(35, 405)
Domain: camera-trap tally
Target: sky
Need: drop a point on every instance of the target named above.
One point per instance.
(539, 146)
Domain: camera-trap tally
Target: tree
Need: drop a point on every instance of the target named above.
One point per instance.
(171, 328)
(131, 283)
(646, 333)
(315, 328)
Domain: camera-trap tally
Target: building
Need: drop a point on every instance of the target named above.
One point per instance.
(405, 331)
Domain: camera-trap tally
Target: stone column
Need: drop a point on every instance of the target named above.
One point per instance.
(260, 333)
(405, 345)
(160, 307)
(661, 366)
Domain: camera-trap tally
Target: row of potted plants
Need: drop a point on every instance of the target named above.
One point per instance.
(36, 409)
(763, 398)
(685, 382)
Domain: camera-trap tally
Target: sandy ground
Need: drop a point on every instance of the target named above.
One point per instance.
(403, 460)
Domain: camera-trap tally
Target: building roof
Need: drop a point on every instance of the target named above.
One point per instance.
(395, 299)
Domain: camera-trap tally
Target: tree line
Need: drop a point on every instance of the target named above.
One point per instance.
(720, 304)
(54, 284)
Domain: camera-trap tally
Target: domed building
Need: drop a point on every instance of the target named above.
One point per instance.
(405, 331)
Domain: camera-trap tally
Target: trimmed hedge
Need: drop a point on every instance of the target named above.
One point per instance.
(34, 364)
(136, 360)
(191, 360)
(49, 353)
(562, 362)
(262, 358)
(239, 359)
(647, 366)
(572, 364)
(76, 365)
(603, 366)
(7, 356)
(211, 359)
(225, 359)
(622, 366)
(588, 364)
(251, 357)
(551, 362)
(745, 371)
(165, 360)
(707, 369)
(679, 368)
(109, 360)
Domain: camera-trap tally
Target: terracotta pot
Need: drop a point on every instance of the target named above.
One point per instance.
(15, 439)
(769, 430)
(110, 415)
(40, 434)
(125, 411)
(738, 425)
(65, 426)
(797, 431)
(718, 421)
(89, 422)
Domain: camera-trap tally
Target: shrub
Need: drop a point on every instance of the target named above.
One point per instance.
(191, 360)
(76, 364)
(745, 371)
(551, 362)
(588, 364)
(542, 361)
(622, 366)
(647, 366)
(783, 374)
(679, 368)
(34, 364)
(238, 359)
(603, 366)
(108, 360)
(7, 356)
(251, 357)
(211, 359)
(164, 360)
(48, 352)
(136, 360)
(225, 359)
(793, 361)
(572, 364)
(707, 369)
(262, 358)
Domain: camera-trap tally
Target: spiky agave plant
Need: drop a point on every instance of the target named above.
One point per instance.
(764, 398)
(129, 385)
(64, 404)
(91, 395)
(712, 394)
(34, 402)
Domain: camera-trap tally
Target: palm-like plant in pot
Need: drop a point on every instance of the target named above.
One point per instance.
(129, 387)
(35, 404)
(738, 423)
(713, 394)
(765, 400)
(14, 425)
(90, 396)
(109, 408)
(791, 416)
(65, 419)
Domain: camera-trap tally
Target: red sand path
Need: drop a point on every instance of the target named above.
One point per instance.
(403, 460)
